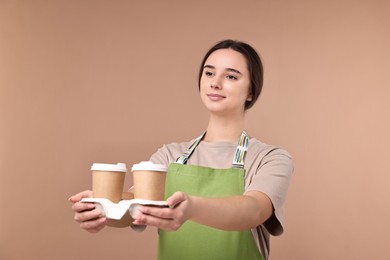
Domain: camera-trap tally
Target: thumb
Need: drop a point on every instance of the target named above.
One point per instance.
(77, 197)
(176, 198)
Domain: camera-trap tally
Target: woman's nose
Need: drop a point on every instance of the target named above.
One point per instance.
(216, 83)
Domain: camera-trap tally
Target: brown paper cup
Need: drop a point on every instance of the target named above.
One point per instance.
(149, 180)
(108, 181)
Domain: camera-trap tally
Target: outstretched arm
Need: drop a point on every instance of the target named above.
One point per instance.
(229, 213)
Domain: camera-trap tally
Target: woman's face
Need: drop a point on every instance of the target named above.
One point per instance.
(225, 82)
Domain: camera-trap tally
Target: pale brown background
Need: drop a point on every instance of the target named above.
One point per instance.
(111, 81)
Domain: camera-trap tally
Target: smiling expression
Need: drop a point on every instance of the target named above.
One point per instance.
(225, 82)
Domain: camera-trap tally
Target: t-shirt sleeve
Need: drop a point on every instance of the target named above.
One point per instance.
(160, 156)
(168, 153)
(272, 177)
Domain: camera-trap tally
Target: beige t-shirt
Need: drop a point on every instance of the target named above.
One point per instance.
(267, 169)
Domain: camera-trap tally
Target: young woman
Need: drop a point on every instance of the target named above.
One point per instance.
(225, 190)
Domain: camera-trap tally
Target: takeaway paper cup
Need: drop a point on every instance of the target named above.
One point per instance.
(149, 180)
(108, 180)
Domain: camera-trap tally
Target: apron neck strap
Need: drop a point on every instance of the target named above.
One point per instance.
(242, 148)
(239, 155)
(184, 157)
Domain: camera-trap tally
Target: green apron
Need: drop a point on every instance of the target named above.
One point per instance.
(196, 241)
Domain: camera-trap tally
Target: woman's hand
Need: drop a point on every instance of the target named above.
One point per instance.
(90, 218)
(170, 218)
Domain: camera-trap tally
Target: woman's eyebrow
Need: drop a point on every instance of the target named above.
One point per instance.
(208, 66)
(233, 70)
(227, 69)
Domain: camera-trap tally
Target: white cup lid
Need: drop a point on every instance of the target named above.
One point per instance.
(119, 167)
(149, 166)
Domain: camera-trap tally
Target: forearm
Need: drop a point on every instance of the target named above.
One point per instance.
(231, 213)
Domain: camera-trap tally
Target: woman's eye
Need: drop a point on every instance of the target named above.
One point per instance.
(208, 73)
(231, 77)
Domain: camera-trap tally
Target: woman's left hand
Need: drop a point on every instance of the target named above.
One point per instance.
(170, 218)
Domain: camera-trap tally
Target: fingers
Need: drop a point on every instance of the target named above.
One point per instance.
(164, 218)
(95, 225)
(90, 218)
(176, 198)
(163, 223)
(81, 206)
(85, 211)
(77, 197)
(163, 213)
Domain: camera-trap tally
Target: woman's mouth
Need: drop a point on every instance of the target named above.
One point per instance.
(215, 97)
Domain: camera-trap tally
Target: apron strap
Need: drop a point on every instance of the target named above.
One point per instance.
(239, 155)
(242, 148)
(184, 157)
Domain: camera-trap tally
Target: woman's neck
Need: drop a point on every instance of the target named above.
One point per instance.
(224, 129)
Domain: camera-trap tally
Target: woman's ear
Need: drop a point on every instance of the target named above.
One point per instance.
(249, 98)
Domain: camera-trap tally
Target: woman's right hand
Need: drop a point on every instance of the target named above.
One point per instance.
(90, 218)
